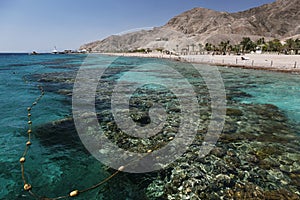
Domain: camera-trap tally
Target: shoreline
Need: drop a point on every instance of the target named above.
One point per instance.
(267, 62)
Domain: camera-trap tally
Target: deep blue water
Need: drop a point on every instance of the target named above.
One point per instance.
(54, 169)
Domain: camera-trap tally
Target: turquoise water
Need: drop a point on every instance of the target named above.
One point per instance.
(279, 89)
(53, 167)
(58, 164)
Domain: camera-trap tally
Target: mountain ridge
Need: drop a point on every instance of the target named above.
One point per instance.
(280, 19)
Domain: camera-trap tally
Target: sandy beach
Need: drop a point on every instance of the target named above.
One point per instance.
(272, 62)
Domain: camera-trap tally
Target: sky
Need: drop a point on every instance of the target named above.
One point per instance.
(39, 25)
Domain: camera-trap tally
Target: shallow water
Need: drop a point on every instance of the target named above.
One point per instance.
(58, 163)
(279, 89)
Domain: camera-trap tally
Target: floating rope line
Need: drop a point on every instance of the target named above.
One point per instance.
(28, 187)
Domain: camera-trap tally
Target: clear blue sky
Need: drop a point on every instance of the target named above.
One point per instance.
(27, 25)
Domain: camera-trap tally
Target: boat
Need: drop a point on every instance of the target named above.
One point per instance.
(33, 53)
(54, 51)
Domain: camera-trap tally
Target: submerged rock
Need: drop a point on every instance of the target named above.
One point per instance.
(244, 165)
(256, 156)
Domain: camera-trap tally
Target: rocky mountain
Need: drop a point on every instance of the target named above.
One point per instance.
(280, 19)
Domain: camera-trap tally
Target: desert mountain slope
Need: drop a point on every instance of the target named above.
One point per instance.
(280, 19)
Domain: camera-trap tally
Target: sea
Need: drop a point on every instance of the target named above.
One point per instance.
(263, 111)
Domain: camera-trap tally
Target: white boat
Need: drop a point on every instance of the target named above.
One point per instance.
(54, 51)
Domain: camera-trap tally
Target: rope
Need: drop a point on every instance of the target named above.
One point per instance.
(28, 187)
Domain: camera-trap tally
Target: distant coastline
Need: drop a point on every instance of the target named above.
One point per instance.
(269, 62)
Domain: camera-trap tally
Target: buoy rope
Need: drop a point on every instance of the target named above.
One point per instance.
(28, 187)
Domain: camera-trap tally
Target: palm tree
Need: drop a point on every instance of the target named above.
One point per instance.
(209, 47)
(236, 48)
(297, 45)
(200, 47)
(223, 46)
(275, 45)
(290, 44)
(193, 47)
(247, 44)
(260, 41)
